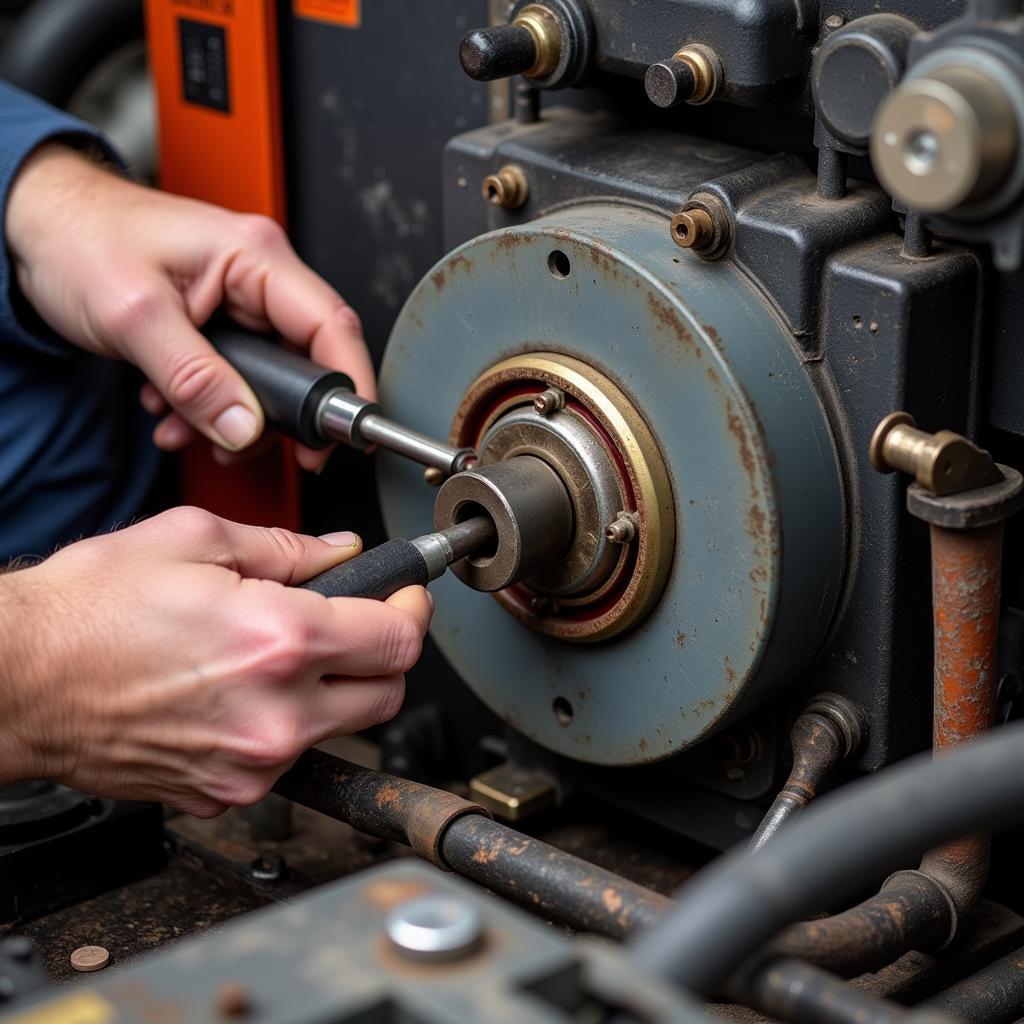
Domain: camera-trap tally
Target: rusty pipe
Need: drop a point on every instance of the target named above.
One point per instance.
(801, 993)
(966, 571)
(923, 909)
(459, 836)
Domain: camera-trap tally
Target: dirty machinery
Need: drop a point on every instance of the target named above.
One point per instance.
(724, 326)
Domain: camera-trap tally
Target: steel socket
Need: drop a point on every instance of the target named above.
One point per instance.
(532, 514)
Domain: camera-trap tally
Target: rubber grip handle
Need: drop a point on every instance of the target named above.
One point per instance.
(377, 573)
(289, 387)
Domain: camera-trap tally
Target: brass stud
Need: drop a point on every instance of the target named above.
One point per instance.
(693, 229)
(942, 463)
(508, 188)
(434, 476)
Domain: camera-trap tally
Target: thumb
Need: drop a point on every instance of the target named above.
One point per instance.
(199, 383)
(271, 553)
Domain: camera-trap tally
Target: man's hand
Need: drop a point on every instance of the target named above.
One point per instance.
(126, 271)
(171, 661)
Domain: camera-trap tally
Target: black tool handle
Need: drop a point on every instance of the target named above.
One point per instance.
(377, 573)
(289, 387)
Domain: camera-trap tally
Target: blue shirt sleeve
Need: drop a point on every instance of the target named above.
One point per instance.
(76, 457)
(25, 124)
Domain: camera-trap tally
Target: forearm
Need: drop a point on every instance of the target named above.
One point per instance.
(21, 753)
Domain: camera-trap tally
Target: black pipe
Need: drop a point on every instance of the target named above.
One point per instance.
(801, 993)
(549, 881)
(455, 834)
(995, 995)
(870, 827)
(54, 45)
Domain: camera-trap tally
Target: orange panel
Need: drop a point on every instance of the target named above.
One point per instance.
(337, 12)
(231, 157)
(215, 66)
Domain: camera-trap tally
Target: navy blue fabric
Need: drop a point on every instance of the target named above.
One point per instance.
(75, 452)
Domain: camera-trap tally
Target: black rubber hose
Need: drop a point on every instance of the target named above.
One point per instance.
(869, 827)
(55, 44)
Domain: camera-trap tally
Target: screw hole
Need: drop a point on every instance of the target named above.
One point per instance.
(563, 711)
(858, 323)
(559, 265)
(492, 193)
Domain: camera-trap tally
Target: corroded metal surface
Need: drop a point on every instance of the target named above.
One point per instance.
(454, 834)
(550, 882)
(381, 805)
(759, 509)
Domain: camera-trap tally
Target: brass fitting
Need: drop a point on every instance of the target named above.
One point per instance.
(706, 68)
(942, 463)
(512, 792)
(693, 229)
(547, 38)
(434, 476)
(508, 188)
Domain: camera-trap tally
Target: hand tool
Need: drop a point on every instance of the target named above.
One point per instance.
(318, 406)
(386, 569)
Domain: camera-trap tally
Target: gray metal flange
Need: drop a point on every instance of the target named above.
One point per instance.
(755, 495)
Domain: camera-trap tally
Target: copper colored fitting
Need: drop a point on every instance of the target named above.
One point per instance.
(693, 229)
(508, 188)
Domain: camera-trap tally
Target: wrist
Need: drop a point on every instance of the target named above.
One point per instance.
(22, 752)
(50, 176)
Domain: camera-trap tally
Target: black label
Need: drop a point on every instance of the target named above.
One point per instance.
(204, 64)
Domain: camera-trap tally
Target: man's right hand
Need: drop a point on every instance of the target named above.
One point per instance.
(173, 661)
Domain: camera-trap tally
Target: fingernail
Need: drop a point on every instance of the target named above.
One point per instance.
(342, 539)
(430, 598)
(236, 427)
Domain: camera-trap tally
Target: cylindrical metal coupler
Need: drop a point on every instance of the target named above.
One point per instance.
(532, 515)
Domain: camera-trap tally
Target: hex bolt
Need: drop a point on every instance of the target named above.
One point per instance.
(434, 476)
(623, 529)
(435, 928)
(549, 401)
(942, 463)
(691, 75)
(693, 229)
(508, 188)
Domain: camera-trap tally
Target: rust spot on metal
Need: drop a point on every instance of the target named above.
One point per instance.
(612, 901)
(440, 276)
(680, 639)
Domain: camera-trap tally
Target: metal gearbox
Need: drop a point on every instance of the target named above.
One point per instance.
(671, 401)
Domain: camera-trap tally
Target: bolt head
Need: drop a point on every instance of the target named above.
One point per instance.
(435, 928)
(549, 401)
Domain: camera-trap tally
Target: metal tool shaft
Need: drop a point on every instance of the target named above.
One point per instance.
(344, 416)
(441, 549)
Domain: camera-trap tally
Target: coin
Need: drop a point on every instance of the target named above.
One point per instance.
(90, 958)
